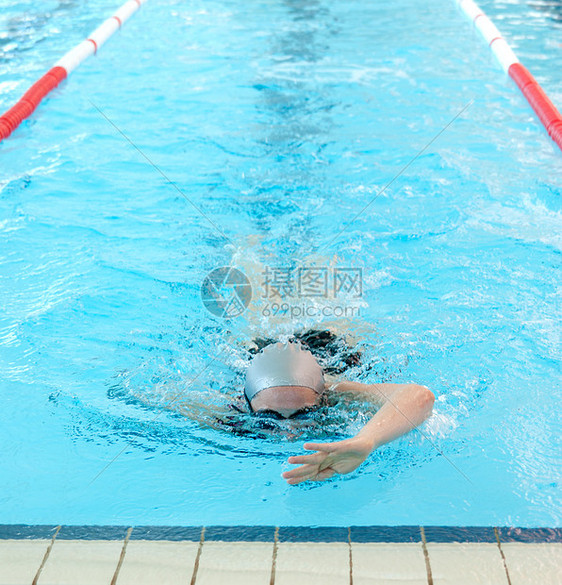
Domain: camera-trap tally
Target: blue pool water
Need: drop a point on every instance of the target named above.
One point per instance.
(279, 120)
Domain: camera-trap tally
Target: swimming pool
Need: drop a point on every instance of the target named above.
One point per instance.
(281, 121)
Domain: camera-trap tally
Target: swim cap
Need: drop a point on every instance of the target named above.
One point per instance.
(283, 364)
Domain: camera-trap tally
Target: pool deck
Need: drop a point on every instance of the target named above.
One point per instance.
(247, 555)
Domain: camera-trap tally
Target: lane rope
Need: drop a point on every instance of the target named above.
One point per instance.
(27, 104)
(534, 94)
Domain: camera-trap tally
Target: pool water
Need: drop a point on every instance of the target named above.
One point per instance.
(280, 121)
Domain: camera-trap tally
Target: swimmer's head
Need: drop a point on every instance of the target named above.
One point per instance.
(284, 378)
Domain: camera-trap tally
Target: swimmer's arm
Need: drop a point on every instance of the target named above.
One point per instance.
(404, 407)
(377, 393)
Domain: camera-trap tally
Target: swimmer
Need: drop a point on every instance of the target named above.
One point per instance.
(286, 381)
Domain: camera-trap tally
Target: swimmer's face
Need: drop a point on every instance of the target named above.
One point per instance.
(285, 400)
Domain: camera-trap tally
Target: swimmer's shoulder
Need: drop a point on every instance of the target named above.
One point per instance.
(331, 382)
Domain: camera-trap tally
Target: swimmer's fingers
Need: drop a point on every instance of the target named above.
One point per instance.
(308, 474)
(325, 474)
(302, 473)
(313, 458)
(322, 447)
(307, 469)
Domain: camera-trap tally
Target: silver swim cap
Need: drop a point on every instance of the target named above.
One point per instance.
(283, 364)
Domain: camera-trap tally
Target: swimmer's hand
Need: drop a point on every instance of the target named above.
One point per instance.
(403, 407)
(329, 459)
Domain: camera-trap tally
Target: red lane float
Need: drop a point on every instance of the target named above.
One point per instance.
(544, 108)
(534, 94)
(26, 105)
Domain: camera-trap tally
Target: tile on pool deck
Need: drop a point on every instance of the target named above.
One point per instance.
(157, 562)
(466, 564)
(84, 562)
(83, 555)
(381, 564)
(235, 563)
(308, 563)
(533, 564)
(20, 560)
